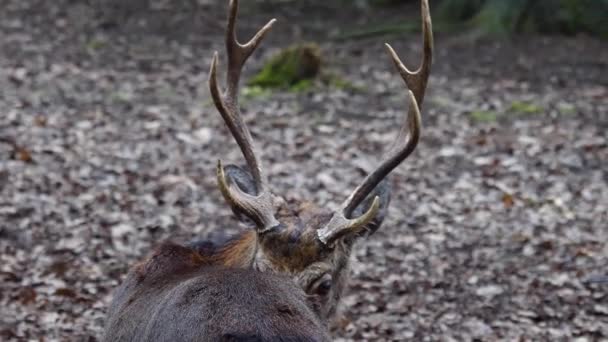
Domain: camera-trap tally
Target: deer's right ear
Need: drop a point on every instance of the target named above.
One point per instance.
(244, 180)
(383, 192)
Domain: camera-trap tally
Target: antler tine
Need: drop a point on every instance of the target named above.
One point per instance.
(258, 207)
(341, 224)
(417, 80)
(239, 53)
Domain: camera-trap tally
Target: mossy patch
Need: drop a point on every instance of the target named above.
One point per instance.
(484, 116)
(520, 107)
(250, 92)
(338, 82)
(302, 85)
(95, 44)
(566, 109)
(294, 67)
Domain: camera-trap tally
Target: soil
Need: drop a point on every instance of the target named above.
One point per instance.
(108, 144)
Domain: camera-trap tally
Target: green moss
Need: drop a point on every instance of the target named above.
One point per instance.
(484, 116)
(566, 109)
(290, 68)
(521, 107)
(338, 82)
(250, 92)
(95, 44)
(301, 86)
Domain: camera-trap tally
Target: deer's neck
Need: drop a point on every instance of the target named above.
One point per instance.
(238, 252)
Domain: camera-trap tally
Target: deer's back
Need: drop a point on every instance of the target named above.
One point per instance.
(213, 304)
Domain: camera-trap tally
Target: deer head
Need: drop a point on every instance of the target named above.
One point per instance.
(311, 245)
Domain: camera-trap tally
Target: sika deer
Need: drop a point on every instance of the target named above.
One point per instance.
(280, 280)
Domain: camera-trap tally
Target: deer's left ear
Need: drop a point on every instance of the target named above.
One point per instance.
(383, 191)
(241, 177)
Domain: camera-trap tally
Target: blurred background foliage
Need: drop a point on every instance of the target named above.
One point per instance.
(298, 66)
(486, 17)
(496, 18)
(505, 17)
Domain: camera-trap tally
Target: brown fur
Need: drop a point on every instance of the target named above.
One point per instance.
(280, 268)
(295, 250)
(180, 298)
(238, 252)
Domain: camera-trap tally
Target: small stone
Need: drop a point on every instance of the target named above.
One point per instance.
(489, 291)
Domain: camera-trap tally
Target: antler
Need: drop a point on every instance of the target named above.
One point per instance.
(258, 207)
(341, 224)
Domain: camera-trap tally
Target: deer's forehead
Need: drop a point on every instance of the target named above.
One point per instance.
(296, 246)
(301, 216)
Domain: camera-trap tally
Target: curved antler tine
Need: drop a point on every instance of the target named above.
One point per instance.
(414, 123)
(253, 43)
(257, 208)
(233, 11)
(228, 192)
(213, 85)
(339, 225)
(417, 80)
(239, 53)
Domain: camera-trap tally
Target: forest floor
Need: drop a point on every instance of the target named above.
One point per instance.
(498, 228)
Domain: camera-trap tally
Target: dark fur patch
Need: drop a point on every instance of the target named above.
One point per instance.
(167, 260)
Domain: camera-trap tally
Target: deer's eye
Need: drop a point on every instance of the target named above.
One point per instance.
(324, 285)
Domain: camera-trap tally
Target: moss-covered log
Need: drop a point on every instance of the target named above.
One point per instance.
(293, 66)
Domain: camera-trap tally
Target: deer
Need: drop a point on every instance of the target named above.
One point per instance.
(283, 278)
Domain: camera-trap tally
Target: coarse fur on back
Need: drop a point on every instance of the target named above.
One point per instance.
(281, 280)
(176, 296)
